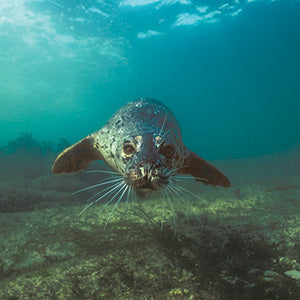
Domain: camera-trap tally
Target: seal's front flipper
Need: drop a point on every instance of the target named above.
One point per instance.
(203, 171)
(77, 156)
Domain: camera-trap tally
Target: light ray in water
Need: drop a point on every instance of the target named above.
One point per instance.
(55, 3)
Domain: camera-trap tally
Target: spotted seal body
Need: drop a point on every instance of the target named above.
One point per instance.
(142, 141)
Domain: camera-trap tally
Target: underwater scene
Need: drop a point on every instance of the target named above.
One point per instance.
(150, 149)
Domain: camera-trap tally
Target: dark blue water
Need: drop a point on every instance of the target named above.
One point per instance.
(229, 70)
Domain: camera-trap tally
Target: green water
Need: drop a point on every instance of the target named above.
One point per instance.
(228, 70)
(230, 73)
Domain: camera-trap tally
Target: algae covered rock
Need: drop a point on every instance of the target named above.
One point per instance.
(293, 274)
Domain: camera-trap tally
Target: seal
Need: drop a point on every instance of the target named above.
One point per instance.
(142, 142)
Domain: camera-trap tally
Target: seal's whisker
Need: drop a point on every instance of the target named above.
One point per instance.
(102, 171)
(94, 196)
(180, 189)
(163, 124)
(125, 187)
(189, 177)
(97, 200)
(122, 186)
(119, 186)
(133, 198)
(184, 190)
(96, 185)
(163, 200)
(129, 191)
(165, 133)
(173, 171)
(177, 197)
(111, 177)
(171, 186)
(172, 208)
(143, 150)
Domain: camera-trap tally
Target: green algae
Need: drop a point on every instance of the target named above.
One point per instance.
(228, 244)
(59, 255)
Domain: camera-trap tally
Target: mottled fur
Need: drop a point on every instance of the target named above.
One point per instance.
(142, 141)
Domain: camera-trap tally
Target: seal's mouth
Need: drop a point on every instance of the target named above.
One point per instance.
(145, 179)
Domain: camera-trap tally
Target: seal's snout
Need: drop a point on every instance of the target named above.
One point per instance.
(146, 178)
(145, 171)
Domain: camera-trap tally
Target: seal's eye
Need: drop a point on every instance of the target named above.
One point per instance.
(129, 148)
(166, 150)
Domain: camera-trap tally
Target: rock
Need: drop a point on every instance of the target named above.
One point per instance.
(270, 275)
(293, 274)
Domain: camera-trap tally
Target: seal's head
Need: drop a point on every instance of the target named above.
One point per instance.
(143, 143)
(146, 162)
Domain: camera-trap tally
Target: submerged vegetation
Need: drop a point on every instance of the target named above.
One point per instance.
(239, 243)
(60, 255)
(27, 143)
(27, 158)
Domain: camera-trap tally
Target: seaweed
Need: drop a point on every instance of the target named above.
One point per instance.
(208, 259)
(236, 244)
(26, 143)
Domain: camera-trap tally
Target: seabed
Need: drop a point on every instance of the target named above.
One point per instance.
(236, 243)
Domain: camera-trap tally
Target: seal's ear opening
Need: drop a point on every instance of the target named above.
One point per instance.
(76, 157)
(203, 171)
